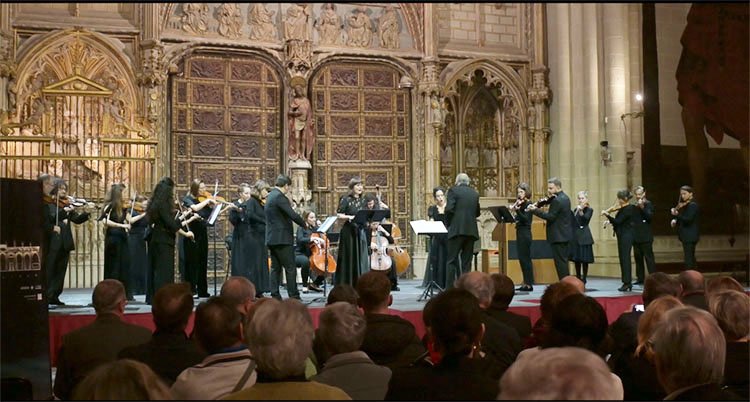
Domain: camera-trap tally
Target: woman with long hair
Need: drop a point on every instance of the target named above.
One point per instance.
(196, 252)
(437, 254)
(241, 233)
(352, 260)
(137, 246)
(116, 252)
(258, 252)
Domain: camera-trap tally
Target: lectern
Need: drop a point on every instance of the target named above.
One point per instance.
(503, 216)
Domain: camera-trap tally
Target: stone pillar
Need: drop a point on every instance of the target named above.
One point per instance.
(300, 192)
(538, 127)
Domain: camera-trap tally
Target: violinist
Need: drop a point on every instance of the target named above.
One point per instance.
(624, 226)
(523, 235)
(581, 244)
(351, 261)
(258, 252)
(137, 244)
(303, 252)
(59, 214)
(373, 202)
(643, 240)
(116, 252)
(437, 257)
(559, 229)
(685, 218)
(196, 253)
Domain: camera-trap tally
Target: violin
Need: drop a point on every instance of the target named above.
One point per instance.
(68, 201)
(135, 206)
(319, 251)
(542, 201)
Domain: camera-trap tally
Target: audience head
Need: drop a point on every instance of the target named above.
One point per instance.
(578, 321)
(504, 291)
(722, 282)
(659, 284)
(732, 311)
(343, 292)
(122, 379)
(374, 290)
(109, 297)
(480, 285)
(566, 373)
(342, 328)
(552, 297)
(689, 349)
(692, 282)
(456, 322)
(172, 306)
(240, 292)
(250, 314)
(577, 283)
(650, 320)
(218, 325)
(280, 337)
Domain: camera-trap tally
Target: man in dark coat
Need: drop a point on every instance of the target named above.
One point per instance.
(559, 229)
(280, 237)
(462, 210)
(685, 218)
(643, 239)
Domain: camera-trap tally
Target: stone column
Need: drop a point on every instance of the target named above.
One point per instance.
(300, 193)
(538, 127)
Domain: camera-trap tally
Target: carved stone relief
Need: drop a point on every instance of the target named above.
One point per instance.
(195, 18)
(389, 29)
(262, 25)
(329, 25)
(295, 23)
(229, 16)
(359, 30)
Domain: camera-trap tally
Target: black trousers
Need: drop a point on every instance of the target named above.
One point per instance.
(688, 249)
(57, 266)
(283, 256)
(624, 247)
(196, 260)
(160, 268)
(117, 261)
(458, 247)
(523, 247)
(303, 262)
(643, 251)
(560, 254)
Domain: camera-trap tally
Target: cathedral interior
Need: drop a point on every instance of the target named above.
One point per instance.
(403, 95)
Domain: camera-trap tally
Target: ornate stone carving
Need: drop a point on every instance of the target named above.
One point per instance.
(262, 26)
(359, 28)
(329, 25)
(7, 57)
(230, 20)
(539, 92)
(298, 56)
(389, 29)
(295, 24)
(195, 18)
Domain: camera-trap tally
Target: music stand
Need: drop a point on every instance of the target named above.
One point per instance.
(212, 222)
(502, 215)
(332, 225)
(429, 228)
(366, 216)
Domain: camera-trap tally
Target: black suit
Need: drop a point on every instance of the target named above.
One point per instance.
(559, 230)
(280, 241)
(687, 232)
(624, 224)
(59, 246)
(167, 353)
(643, 241)
(462, 210)
(521, 323)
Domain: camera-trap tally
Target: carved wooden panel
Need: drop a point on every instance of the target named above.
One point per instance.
(344, 101)
(344, 126)
(208, 146)
(378, 126)
(378, 102)
(343, 77)
(207, 68)
(245, 96)
(208, 94)
(208, 120)
(245, 122)
(247, 71)
(244, 148)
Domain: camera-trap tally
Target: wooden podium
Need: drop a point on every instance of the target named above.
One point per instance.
(505, 259)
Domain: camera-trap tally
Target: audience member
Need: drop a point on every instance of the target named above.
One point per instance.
(457, 329)
(566, 373)
(169, 351)
(722, 282)
(240, 292)
(86, 348)
(578, 321)
(280, 338)
(228, 366)
(342, 330)
(547, 305)
(693, 289)
(389, 339)
(501, 342)
(124, 379)
(504, 292)
(732, 311)
(689, 354)
(577, 283)
(343, 292)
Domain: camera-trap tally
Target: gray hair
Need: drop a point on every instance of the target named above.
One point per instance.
(555, 181)
(107, 296)
(732, 311)
(479, 284)
(689, 349)
(566, 373)
(462, 178)
(280, 337)
(342, 328)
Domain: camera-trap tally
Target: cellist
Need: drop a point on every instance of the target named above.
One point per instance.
(302, 252)
(373, 202)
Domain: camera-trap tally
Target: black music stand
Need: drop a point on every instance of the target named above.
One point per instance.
(331, 226)
(429, 228)
(364, 217)
(502, 215)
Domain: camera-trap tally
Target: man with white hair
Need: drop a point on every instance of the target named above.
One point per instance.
(461, 210)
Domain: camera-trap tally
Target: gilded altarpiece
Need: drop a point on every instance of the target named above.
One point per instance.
(225, 129)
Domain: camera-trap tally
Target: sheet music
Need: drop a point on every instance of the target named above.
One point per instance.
(215, 214)
(427, 227)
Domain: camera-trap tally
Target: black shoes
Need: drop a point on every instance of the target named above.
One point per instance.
(314, 288)
(56, 302)
(525, 288)
(626, 287)
(638, 282)
(395, 289)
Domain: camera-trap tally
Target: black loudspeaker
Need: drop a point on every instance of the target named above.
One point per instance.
(24, 319)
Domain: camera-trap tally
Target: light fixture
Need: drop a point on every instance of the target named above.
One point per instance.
(638, 97)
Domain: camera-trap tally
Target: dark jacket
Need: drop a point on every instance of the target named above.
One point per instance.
(558, 219)
(164, 225)
(624, 222)
(391, 340)
(462, 210)
(581, 231)
(643, 232)
(703, 392)
(695, 299)
(279, 218)
(168, 354)
(687, 223)
(521, 323)
(55, 215)
(737, 368)
(356, 374)
(501, 343)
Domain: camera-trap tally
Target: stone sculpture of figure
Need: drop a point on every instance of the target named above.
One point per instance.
(360, 29)
(295, 26)
(329, 25)
(194, 17)
(301, 135)
(437, 111)
(389, 29)
(230, 20)
(261, 23)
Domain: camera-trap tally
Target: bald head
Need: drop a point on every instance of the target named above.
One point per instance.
(691, 281)
(577, 283)
(480, 284)
(240, 292)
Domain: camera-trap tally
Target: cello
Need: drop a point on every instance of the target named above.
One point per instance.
(379, 259)
(401, 258)
(319, 252)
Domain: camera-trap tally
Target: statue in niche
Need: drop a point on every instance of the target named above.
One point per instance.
(438, 117)
(329, 25)
(261, 23)
(446, 147)
(360, 28)
(230, 20)
(301, 135)
(489, 154)
(295, 26)
(389, 29)
(194, 17)
(472, 154)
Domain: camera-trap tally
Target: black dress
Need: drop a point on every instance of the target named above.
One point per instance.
(581, 244)
(138, 255)
(196, 252)
(240, 240)
(258, 252)
(523, 242)
(116, 250)
(352, 260)
(437, 257)
(161, 243)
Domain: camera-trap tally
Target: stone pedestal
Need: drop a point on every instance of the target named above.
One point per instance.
(300, 193)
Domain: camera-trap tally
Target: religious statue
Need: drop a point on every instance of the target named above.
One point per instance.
(194, 16)
(230, 20)
(389, 29)
(360, 28)
(329, 25)
(261, 23)
(301, 135)
(295, 26)
(437, 112)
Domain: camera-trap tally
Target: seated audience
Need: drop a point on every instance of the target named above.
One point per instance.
(389, 339)
(228, 366)
(689, 354)
(86, 348)
(577, 283)
(547, 305)
(504, 292)
(122, 379)
(722, 282)
(732, 311)
(342, 292)
(566, 373)
(341, 330)
(169, 351)
(239, 291)
(280, 338)
(693, 289)
(457, 329)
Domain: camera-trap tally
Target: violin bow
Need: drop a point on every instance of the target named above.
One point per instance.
(57, 209)
(132, 203)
